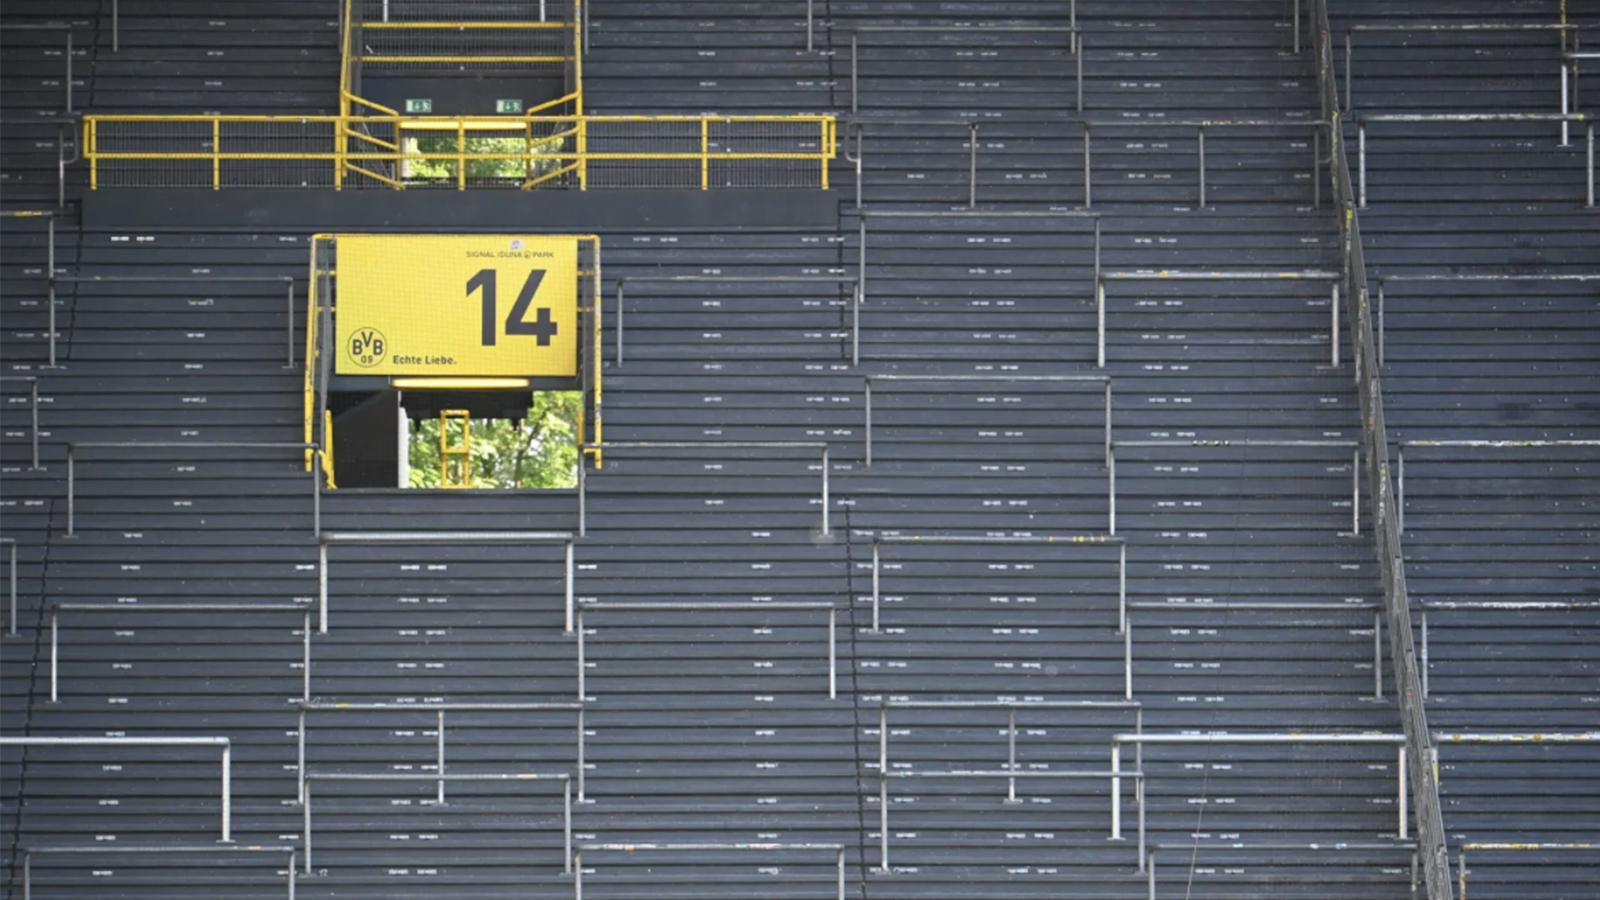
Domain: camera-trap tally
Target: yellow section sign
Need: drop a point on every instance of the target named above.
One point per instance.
(457, 305)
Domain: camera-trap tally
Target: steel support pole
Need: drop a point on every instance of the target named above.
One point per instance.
(566, 826)
(116, 26)
(72, 478)
(1347, 92)
(855, 322)
(300, 750)
(1355, 491)
(317, 474)
(1122, 588)
(305, 819)
(1566, 135)
(227, 793)
(1400, 489)
(582, 778)
(570, 578)
(868, 404)
(69, 72)
(1111, 491)
(288, 329)
(1088, 189)
(583, 495)
(1116, 791)
(972, 168)
(583, 693)
(55, 657)
(1108, 424)
(622, 286)
(1202, 147)
(1079, 58)
(51, 297)
(811, 15)
(1011, 753)
(440, 763)
(1127, 660)
(1377, 657)
(1590, 142)
(1295, 4)
(876, 585)
(1361, 136)
(322, 588)
(833, 654)
(839, 862)
(1100, 325)
(1402, 793)
(1333, 327)
(1424, 672)
(826, 530)
(883, 822)
(1316, 168)
(1382, 338)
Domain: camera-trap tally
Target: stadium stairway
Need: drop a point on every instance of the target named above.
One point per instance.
(707, 726)
(1489, 269)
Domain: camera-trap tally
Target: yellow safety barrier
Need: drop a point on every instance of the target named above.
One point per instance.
(401, 152)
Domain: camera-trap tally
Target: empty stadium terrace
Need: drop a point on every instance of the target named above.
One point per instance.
(859, 449)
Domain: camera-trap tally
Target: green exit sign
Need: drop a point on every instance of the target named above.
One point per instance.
(508, 106)
(419, 105)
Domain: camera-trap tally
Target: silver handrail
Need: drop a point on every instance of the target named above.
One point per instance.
(28, 853)
(119, 741)
(1467, 118)
(1196, 847)
(1400, 453)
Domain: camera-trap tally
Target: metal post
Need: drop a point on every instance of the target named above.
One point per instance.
(317, 474)
(300, 749)
(583, 694)
(581, 763)
(34, 414)
(305, 660)
(1401, 794)
(1088, 191)
(1296, 5)
(1333, 328)
(72, 482)
(1111, 490)
(116, 26)
(1566, 138)
(972, 167)
(826, 531)
(622, 307)
(1108, 423)
(27, 876)
(1122, 588)
(1361, 134)
(1116, 791)
(1011, 753)
(322, 588)
(1100, 328)
(1202, 146)
(810, 18)
(1355, 491)
(51, 296)
(855, 324)
(441, 756)
(1316, 168)
(875, 587)
(227, 793)
(566, 826)
(840, 864)
(69, 72)
(1590, 141)
(1127, 660)
(569, 589)
(883, 822)
(305, 818)
(833, 653)
(55, 657)
(288, 330)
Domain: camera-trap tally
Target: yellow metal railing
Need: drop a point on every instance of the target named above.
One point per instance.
(400, 152)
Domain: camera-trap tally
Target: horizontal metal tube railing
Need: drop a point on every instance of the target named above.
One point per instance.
(859, 126)
(28, 853)
(1316, 126)
(1196, 848)
(1353, 446)
(438, 710)
(1461, 854)
(563, 777)
(744, 607)
(1012, 708)
(74, 446)
(1101, 312)
(1485, 606)
(1473, 118)
(1269, 739)
(1507, 277)
(836, 849)
(1561, 29)
(1400, 459)
(813, 138)
(33, 411)
(1002, 540)
(224, 743)
(302, 609)
(1115, 776)
(855, 331)
(826, 497)
(288, 281)
(440, 537)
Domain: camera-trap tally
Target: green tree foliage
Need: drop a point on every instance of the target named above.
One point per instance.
(538, 452)
(481, 170)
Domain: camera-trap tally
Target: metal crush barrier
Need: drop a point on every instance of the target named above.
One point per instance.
(405, 152)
